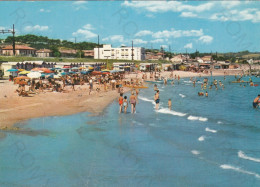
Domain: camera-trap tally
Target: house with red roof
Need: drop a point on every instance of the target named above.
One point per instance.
(21, 50)
(43, 53)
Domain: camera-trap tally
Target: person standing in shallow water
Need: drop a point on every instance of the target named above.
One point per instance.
(120, 102)
(125, 104)
(256, 101)
(157, 100)
(132, 101)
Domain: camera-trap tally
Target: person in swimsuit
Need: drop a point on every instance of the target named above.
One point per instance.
(170, 104)
(256, 101)
(125, 104)
(157, 99)
(132, 102)
(120, 101)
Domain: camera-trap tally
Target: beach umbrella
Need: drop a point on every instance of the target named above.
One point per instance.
(46, 70)
(71, 72)
(36, 69)
(12, 70)
(90, 67)
(84, 72)
(96, 73)
(105, 70)
(105, 73)
(64, 73)
(21, 77)
(82, 68)
(34, 75)
(21, 69)
(75, 68)
(24, 72)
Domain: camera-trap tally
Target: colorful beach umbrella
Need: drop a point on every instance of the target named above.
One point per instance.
(96, 73)
(84, 72)
(75, 68)
(21, 77)
(34, 75)
(12, 70)
(64, 73)
(24, 72)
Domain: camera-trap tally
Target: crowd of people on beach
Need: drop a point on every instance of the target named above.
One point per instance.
(116, 81)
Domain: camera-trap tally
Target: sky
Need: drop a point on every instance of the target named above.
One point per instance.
(177, 26)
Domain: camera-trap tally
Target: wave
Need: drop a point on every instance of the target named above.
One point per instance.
(210, 130)
(195, 152)
(197, 118)
(202, 138)
(241, 154)
(172, 112)
(225, 166)
(219, 122)
(146, 99)
(182, 95)
(187, 81)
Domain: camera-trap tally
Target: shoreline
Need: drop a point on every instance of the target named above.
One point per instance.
(15, 109)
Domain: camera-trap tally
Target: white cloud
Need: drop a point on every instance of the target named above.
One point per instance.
(43, 10)
(2, 28)
(88, 27)
(85, 32)
(177, 33)
(157, 41)
(79, 2)
(215, 10)
(188, 46)
(150, 15)
(114, 38)
(139, 41)
(230, 4)
(36, 28)
(165, 6)
(77, 5)
(188, 14)
(143, 33)
(249, 14)
(206, 39)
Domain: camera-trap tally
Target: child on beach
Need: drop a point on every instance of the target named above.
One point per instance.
(120, 101)
(125, 104)
(170, 104)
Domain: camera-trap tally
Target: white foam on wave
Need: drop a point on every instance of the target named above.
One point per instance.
(197, 118)
(201, 139)
(187, 81)
(210, 130)
(146, 99)
(195, 152)
(219, 122)
(225, 166)
(172, 112)
(182, 95)
(241, 154)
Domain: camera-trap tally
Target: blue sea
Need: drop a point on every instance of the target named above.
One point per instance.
(202, 141)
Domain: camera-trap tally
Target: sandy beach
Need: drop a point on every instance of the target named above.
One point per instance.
(14, 109)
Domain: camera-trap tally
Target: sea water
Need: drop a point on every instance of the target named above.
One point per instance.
(202, 141)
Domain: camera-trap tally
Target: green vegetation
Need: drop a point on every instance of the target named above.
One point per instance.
(43, 42)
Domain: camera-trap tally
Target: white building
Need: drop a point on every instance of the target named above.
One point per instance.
(123, 53)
